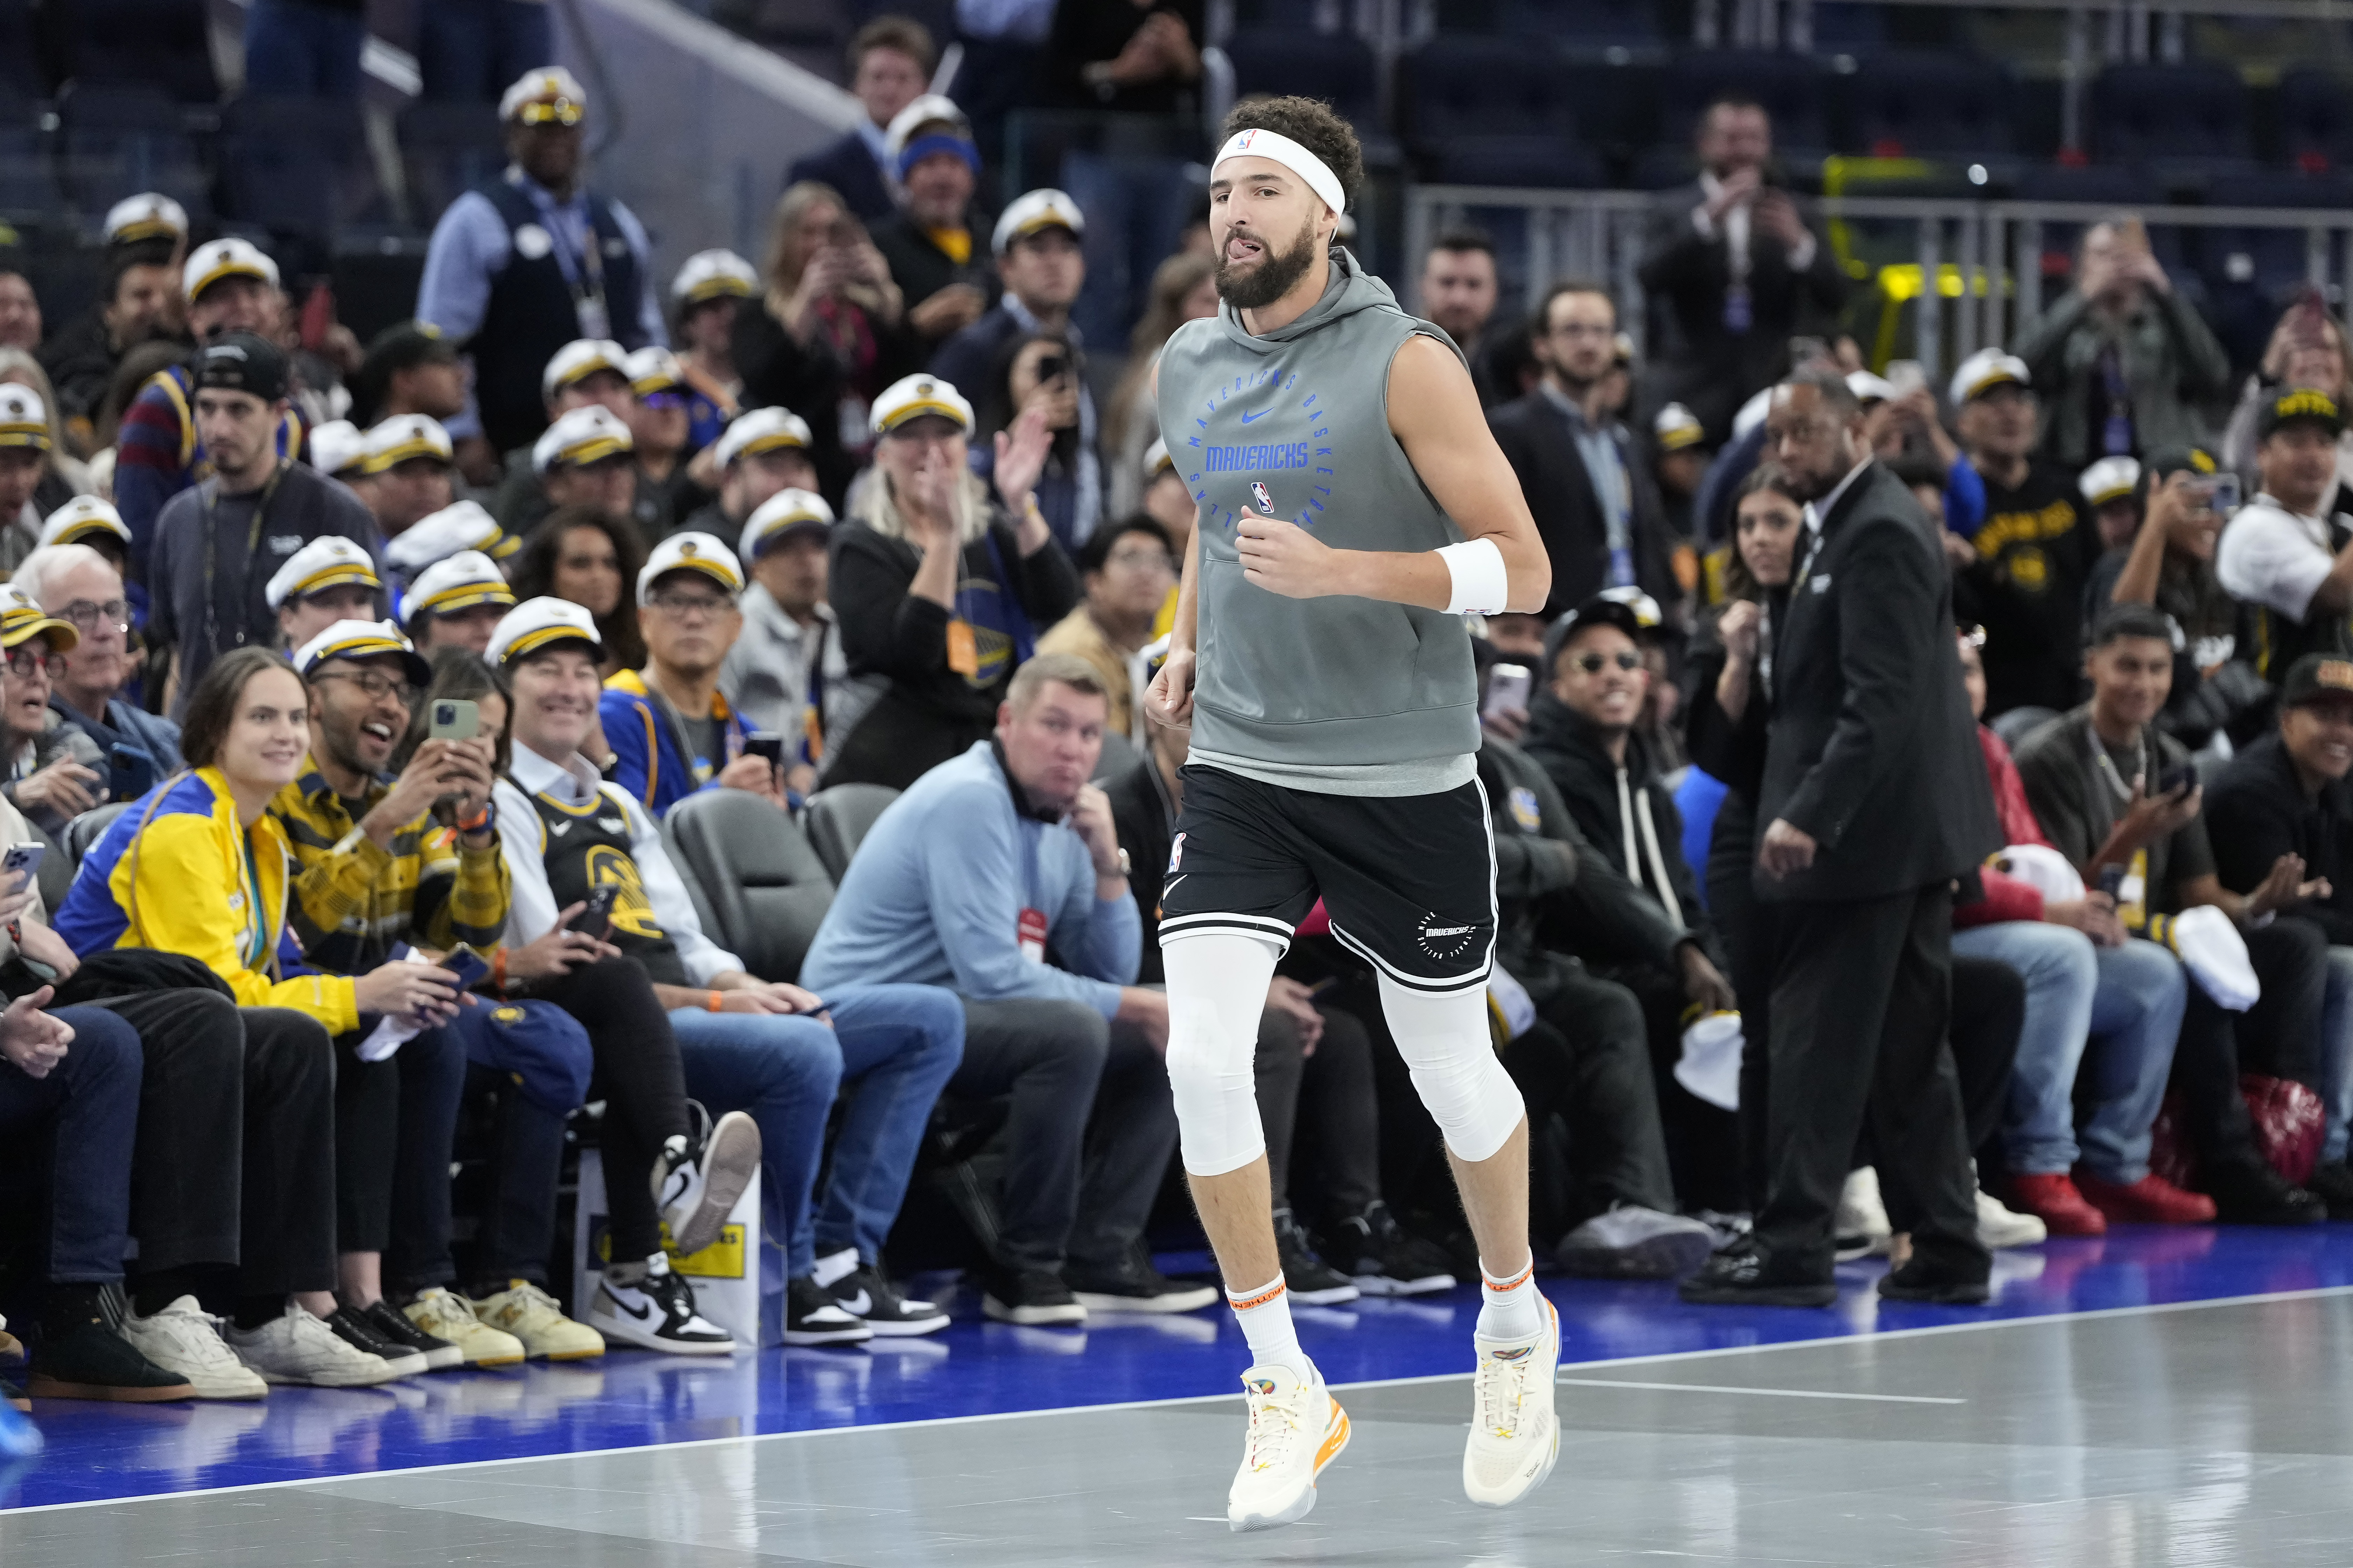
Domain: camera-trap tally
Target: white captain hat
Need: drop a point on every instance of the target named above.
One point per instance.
(332, 562)
(691, 552)
(540, 623)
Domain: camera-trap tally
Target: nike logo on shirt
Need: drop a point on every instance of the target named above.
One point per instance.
(1249, 418)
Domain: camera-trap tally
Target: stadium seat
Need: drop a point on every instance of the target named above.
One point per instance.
(447, 149)
(1485, 86)
(1555, 161)
(2196, 111)
(763, 891)
(161, 43)
(1792, 87)
(84, 830)
(838, 819)
(2315, 118)
(1119, 754)
(1925, 102)
(297, 166)
(1582, 24)
(116, 140)
(28, 184)
(20, 52)
(1336, 66)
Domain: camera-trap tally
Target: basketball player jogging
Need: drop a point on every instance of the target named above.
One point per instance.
(1353, 510)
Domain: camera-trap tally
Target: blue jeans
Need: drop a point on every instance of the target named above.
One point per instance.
(293, 50)
(90, 1104)
(2337, 1053)
(897, 1044)
(2129, 998)
(472, 50)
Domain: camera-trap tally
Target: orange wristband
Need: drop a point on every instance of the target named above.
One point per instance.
(499, 972)
(714, 1003)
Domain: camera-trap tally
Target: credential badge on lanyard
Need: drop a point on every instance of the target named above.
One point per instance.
(1030, 932)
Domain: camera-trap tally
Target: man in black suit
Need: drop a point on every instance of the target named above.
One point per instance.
(1594, 502)
(891, 60)
(1734, 270)
(1876, 801)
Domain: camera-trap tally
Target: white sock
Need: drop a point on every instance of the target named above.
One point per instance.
(1509, 1309)
(1265, 1316)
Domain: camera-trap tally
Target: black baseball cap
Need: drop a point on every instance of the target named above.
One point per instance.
(2302, 406)
(243, 362)
(1599, 611)
(2315, 675)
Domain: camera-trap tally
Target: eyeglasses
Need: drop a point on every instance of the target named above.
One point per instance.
(1592, 663)
(1154, 560)
(662, 400)
(86, 615)
(670, 602)
(378, 684)
(562, 111)
(23, 663)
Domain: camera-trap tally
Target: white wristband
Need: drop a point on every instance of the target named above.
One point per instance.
(1481, 586)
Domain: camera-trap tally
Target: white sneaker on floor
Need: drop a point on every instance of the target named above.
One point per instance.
(1296, 1428)
(1860, 1228)
(1999, 1227)
(658, 1313)
(184, 1339)
(295, 1347)
(1514, 1434)
(445, 1315)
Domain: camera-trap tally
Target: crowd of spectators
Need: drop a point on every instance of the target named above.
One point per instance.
(777, 542)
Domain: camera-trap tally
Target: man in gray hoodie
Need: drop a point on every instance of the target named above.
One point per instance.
(1354, 507)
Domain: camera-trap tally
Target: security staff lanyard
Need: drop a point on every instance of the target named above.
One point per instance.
(212, 553)
(583, 266)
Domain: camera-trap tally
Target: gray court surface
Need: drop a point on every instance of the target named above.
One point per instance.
(2218, 1435)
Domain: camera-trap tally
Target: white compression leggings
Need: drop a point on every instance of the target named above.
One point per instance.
(1217, 989)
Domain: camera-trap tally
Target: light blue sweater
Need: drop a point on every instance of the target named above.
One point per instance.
(935, 894)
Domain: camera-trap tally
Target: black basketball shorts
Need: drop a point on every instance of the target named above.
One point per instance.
(1409, 880)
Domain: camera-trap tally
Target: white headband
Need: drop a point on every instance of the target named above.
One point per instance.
(1277, 148)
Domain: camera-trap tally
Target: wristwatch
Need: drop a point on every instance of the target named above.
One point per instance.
(1126, 867)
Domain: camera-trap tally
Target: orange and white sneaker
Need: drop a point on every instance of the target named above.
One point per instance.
(1515, 1435)
(1296, 1428)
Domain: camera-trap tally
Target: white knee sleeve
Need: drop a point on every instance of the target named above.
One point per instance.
(1217, 990)
(1444, 1040)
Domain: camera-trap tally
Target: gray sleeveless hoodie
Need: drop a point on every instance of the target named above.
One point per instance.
(1340, 695)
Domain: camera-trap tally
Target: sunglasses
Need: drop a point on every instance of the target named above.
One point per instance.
(663, 400)
(1593, 663)
(562, 111)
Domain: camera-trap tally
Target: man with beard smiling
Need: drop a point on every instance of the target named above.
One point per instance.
(380, 862)
(1352, 499)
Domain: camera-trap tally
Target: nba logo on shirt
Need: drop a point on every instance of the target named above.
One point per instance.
(1176, 852)
(1265, 501)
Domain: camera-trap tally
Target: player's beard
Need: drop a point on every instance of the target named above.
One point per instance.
(1277, 271)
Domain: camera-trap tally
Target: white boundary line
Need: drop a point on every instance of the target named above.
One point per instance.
(1773, 1392)
(2322, 1292)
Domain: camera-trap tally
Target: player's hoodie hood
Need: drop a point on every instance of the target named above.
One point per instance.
(1350, 289)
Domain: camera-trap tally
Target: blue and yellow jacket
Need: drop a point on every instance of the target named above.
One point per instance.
(170, 873)
(652, 762)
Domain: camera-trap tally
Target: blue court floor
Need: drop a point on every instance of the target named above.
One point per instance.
(634, 1400)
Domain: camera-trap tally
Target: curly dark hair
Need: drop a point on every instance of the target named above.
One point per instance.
(1314, 125)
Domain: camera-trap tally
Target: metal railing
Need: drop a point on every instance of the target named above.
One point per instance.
(1985, 256)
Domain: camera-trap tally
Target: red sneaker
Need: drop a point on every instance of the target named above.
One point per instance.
(2053, 1200)
(2152, 1200)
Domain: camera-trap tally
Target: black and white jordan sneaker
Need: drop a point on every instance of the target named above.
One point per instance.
(698, 1177)
(656, 1313)
(812, 1317)
(859, 1289)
